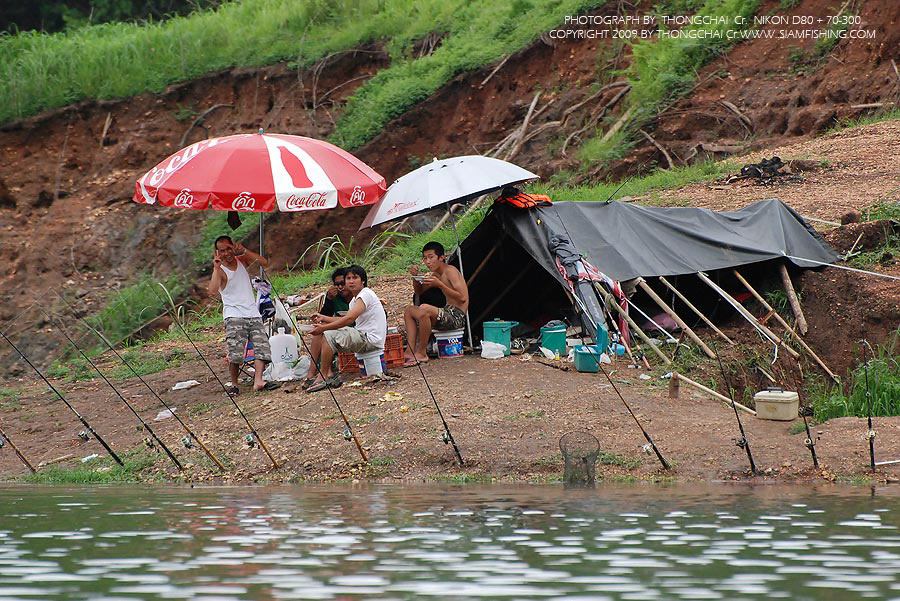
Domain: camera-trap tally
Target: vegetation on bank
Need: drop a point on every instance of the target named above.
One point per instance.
(118, 60)
(664, 69)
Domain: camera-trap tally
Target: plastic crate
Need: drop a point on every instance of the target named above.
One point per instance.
(393, 350)
(393, 356)
(347, 363)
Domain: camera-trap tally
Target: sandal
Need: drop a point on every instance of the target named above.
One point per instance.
(269, 386)
(306, 383)
(234, 391)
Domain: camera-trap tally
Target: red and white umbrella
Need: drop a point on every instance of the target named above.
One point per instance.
(259, 172)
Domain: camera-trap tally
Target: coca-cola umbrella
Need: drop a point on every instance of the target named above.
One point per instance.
(443, 183)
(260, 173)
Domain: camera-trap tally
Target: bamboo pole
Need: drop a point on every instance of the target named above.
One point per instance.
(631, 323)
(483, 263)
(712, 392)
(695, 310)
(749, 316)
(671, 313)
(802, 326)
(785, 325)
(17, 451)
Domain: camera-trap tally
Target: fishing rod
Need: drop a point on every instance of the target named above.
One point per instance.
(118, 394)
(809, 443)
(253, 434)
(650, 442)
(3, 437)
(446, 436)
(742, 442)
(349, 434)
(870, 435)
(191, 435)
(63, 399)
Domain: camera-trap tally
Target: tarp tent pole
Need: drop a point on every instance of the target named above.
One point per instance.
(786, 326)
(671, 313)
(749, 316)
(695, 310)
(638, 331)
(461, 272)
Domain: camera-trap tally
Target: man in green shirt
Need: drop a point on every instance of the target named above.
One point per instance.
(337, 297)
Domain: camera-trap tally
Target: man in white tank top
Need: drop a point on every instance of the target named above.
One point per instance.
(242, 319)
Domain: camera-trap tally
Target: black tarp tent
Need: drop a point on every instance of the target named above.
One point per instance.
(513, 271)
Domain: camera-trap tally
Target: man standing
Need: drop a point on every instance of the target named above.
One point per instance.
(242, 319)
(334, 334)
(420, 320)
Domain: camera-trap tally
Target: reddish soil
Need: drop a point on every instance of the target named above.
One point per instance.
(68, 224)
(507, 416)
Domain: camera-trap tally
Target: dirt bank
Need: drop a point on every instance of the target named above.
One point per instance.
(507, 416)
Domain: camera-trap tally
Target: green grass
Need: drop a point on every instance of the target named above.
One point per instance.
(147, 362)
(618, 460)
(885, 253)
(132, 306)
(883, 210)
(199, 409)
(535, 414)
(670, 179)
(119, 60)
(101, 470)
(467, 478)
(9, 399)
(867, 119)
(663, 70)
(884, 387)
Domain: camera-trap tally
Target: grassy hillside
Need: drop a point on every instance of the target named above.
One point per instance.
(119, 60)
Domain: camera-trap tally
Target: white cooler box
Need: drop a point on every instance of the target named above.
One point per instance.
(777, 404)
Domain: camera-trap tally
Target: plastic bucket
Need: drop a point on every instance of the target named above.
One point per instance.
(371, 363)
(587, 358)
(449, 343)
(554, 339)
(499, 331)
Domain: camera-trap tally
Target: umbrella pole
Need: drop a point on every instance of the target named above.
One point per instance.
(461, 272)
(262, 251)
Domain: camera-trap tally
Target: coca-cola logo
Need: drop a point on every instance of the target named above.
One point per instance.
(358, 196)
(184, 199)
(243, 202)
(400, 206)
(313, 200)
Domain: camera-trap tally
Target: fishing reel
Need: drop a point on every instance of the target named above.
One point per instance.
(810, 444)
(84, 435)
(186, 441)
(1, 443)
(251, 441)
(150, 444)
(647, 448)
(348, 435)
(445, 438)
(870, 435)
(740, 443)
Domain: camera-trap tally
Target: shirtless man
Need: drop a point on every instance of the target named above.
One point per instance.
(420, 320)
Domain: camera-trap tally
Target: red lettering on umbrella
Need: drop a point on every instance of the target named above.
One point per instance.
(295, 169)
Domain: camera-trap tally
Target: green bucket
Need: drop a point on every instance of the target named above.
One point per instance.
(499, 331)
(554, 339)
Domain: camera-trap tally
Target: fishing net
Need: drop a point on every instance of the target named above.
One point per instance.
(580, 450)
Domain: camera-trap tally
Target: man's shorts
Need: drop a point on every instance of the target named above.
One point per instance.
(450, 318)
(348, 340)
(238, 330)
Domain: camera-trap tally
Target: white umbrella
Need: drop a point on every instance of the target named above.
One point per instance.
(444, 182)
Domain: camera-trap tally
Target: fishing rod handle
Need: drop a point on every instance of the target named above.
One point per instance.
(17, 451)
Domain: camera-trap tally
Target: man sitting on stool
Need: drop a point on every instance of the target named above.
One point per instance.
(334, 334)
(420, 320)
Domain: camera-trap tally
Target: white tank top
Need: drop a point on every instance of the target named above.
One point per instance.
(238, 299)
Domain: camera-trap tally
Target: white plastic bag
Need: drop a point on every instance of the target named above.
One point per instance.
(492, 350)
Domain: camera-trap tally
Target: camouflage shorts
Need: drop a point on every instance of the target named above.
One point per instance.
(238, 330)
(450, 318)
(348, 340)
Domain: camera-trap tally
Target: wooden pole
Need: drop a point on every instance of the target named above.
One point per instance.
(674, 388)
(792, 297)
(712, 392)
(483, 263)
(17, 451)
(631, 323)
(671, 313)
(695, 310)
(785, 325)
(749, 316)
